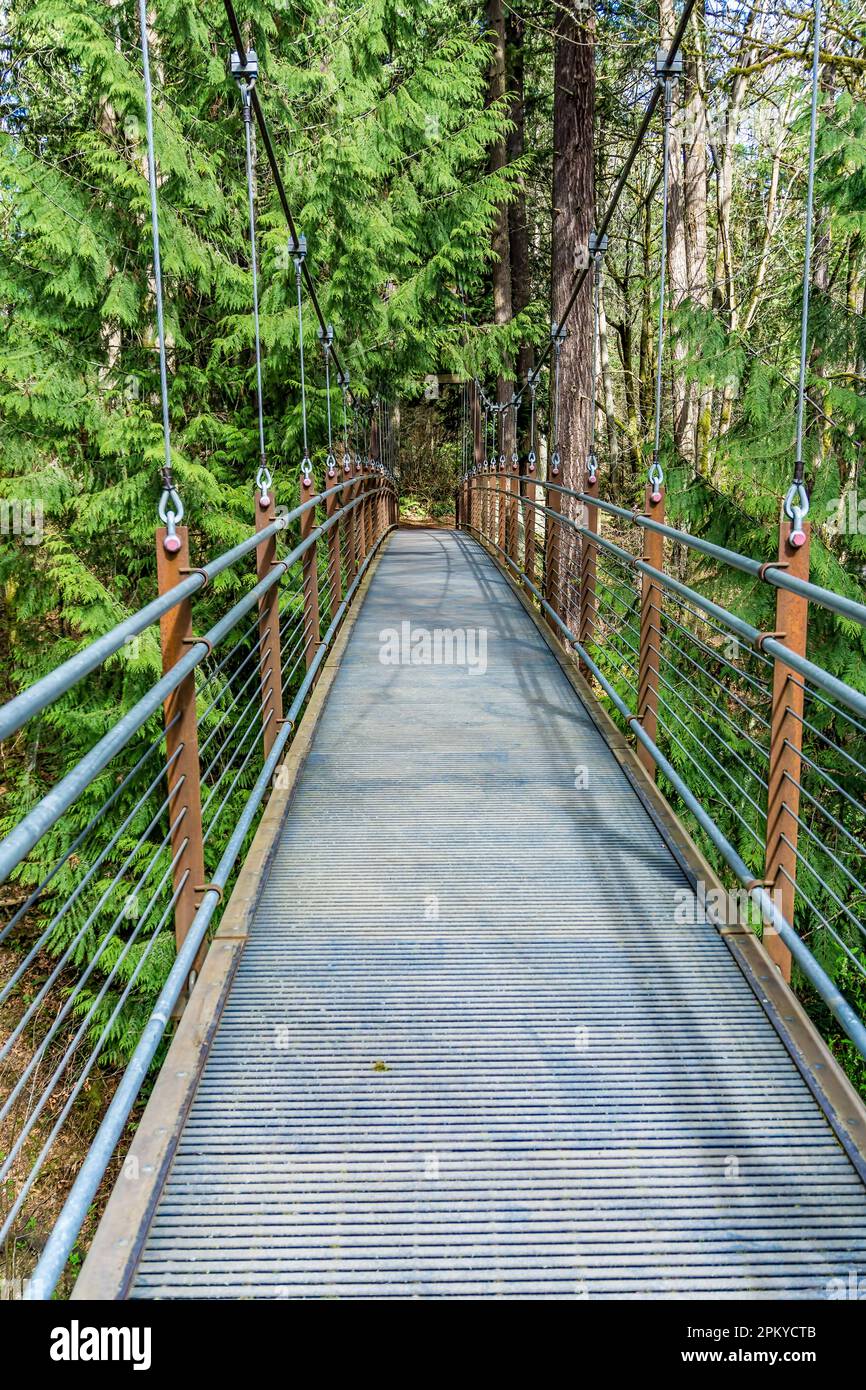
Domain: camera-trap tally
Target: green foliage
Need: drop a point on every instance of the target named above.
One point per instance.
(380, 122)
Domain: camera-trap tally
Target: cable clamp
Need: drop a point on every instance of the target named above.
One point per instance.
(192, 569)
(195, 641)
(763, 637)
(597, 245)
(209, 888)
(558, 335)
(298, 252)
(771, 565)
(245, 70)
(668, 67)
(326, 338)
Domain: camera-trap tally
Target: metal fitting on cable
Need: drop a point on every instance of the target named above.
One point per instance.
(656, 478)
(245, 70)
(796, 510)
(264, 483)
(245, 74)
(171, 515)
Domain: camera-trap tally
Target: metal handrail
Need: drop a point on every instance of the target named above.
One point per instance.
(854, 699)
(17, 711)
(838, 1005)
(58, 800)
(65, 1232)
(770, 572)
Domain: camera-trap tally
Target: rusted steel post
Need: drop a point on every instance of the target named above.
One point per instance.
(529, 529)
(476, 503)
(181, 744)
(553, 578)
(310, 573)
(270, 658)
(786, 741)
(502, 503)
(588, 563)
(348, 524)
(512, 538)
(368, 508)
(360, 515)
(650, 627)
(335, 569)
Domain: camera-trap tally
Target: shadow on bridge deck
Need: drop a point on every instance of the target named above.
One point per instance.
(468, 1049)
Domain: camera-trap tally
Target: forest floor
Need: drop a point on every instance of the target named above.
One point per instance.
(21, 1251)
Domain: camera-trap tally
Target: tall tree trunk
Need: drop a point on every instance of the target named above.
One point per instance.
(678, 260)
(518, 227)
(501, 248)
(573, 217)
(695, 188)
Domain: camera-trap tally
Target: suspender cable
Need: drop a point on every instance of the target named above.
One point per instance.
(245, 75)
(558, 335)
(170, 505)
(299, 252)
(797, 499)
(326, 338)
(597, 249)
(343, 379)
(532, 383)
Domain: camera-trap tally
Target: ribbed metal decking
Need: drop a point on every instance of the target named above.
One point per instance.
(549, 1088)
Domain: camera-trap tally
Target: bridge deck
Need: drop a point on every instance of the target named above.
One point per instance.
(549, 1089)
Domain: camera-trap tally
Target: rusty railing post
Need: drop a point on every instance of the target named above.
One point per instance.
(588, 563)
(181, 745)
(786, 741)
(552, 586)
(512, 538)
(333, 504)
(529, 532)
(270, 655)
(310, 580)
(650, 627)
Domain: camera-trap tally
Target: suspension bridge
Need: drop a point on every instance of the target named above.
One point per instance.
(458, 1005)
